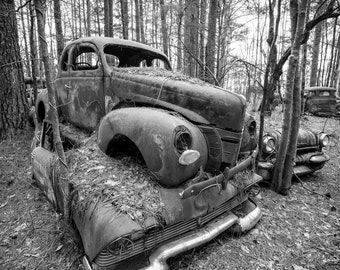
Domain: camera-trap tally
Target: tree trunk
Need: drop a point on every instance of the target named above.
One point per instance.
(27, 61)
(88, 17)
(164, 28)
(211, 43)
(40, 9)
(125, 18)
(34, 52)
(137, 19)
(315, 54)
(58, 28)
(13, 102)
(303, 66)
(290, 127)
(269, 79)
(202, 38)
(98, 18)
(141, 21)
(179, 35)
(108, 18)
(61, 182)
(190, 36)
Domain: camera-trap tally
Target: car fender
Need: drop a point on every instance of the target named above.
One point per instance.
(42, 105)
(153, 132)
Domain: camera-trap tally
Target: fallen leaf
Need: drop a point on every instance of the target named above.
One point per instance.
(59, 248)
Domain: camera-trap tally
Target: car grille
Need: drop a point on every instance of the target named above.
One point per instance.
(223, 147)
(105, 258)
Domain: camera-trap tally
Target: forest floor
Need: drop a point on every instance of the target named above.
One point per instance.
(299, 231)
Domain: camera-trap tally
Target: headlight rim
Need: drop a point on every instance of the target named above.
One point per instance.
(267, 138)
(322, 137)
(184, 134)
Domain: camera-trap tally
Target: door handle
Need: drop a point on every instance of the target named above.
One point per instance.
(67, 86)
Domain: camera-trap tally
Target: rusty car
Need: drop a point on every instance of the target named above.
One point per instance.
(321, 100)
(115, 96)
(309, 158)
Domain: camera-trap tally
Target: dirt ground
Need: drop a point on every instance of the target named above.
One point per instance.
(299, 231)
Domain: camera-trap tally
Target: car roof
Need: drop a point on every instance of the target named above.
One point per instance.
(321, 88)
(100, 42)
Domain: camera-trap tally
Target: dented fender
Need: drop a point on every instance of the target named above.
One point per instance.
(153, 131)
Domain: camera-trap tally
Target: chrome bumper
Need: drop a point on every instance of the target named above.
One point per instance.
(201, 236)
(197, 238)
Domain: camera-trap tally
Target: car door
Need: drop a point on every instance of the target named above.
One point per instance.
(83, 87)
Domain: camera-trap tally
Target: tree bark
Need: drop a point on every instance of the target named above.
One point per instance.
(141, 21)
(164, 28)
(210, 58)
(125, 18)
(137, 19)
(58, 27)
(13, 102)
(190, 36)
(40, 9)
(108, 18)
(61, 182)
(202, 37)
(34, 52)
(179, 35)
(290, 127)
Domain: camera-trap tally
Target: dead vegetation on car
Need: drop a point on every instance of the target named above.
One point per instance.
(123, 182)
(301, 231)
(166, 74)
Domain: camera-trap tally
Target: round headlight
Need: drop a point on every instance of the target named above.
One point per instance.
(323, 139)
(269, 145)
(183, 139)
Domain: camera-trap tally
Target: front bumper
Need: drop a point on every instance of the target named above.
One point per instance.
(228, 221)
(203, 235)
(304, 164)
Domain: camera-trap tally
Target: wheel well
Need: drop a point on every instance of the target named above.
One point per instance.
(121, 146)
(41, 112)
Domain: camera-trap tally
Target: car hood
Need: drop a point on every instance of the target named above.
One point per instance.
(198, 101)
(305, 137)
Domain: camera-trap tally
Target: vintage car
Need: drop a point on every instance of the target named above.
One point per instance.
(188, 186)
(322, 101)
(309, 153)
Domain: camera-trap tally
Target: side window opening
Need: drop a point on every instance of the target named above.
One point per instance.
(112, 60)
(126, 56)
(85, 58)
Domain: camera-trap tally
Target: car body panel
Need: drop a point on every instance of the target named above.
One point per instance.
(110, 87)
(308, 146)
(153, 132)
(321, 100)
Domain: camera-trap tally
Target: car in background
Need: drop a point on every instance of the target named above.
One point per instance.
(322, 101)
(309, 153)
(310, 156)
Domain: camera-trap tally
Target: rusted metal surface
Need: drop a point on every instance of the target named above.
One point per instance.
(83, 95)
(153, 131)
(309, 156)
(112, 83)
(321, 100)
